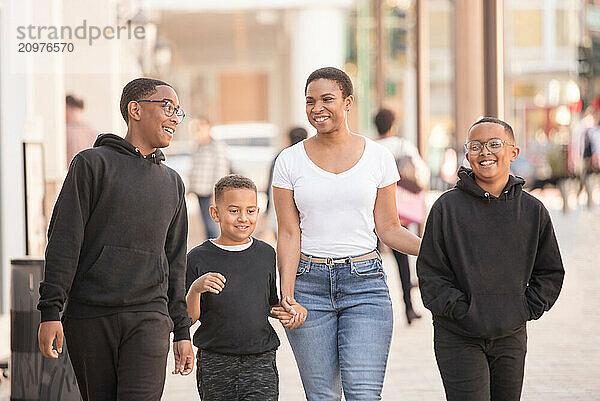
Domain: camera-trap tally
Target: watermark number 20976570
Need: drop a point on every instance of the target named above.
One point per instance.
(48, 47)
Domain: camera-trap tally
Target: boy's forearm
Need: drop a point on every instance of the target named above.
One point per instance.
(192, 300)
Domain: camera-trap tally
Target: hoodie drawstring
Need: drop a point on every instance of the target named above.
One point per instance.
(152, 156)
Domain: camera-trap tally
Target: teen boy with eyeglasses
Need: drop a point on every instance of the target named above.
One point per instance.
(116, 254)
(488, 263)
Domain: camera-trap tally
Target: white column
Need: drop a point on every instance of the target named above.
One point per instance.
(316, 40)
(13, 115)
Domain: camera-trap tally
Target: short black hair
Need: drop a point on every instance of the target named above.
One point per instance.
(138, 89)
(384, 119)
(232, 181)
(507, 128)
(332, 74)
(74, 101)
(297, 134)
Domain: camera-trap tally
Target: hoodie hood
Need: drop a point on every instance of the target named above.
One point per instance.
(122, 146)
(466, 182)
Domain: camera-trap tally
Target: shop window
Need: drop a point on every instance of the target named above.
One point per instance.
(243, 97)
(527, 28)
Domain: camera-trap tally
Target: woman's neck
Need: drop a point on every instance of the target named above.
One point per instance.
(337, 137)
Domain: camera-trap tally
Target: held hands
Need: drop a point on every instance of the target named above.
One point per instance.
(209, 282)
(184, 357)
(289, 312)
(47, 332)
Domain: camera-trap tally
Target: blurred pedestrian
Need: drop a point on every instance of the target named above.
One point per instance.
(80, 135)
(210, 162)
(231, 282)
(489, 262)
(294, 136)
(331, 193)
(414, 175)
(437, 158)
(591, 157)
(116, 255)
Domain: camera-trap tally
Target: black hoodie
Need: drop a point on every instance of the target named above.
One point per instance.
(487, 265)
(117, 237)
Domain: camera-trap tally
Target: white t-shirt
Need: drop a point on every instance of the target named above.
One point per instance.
(235, 248)
(336, 210)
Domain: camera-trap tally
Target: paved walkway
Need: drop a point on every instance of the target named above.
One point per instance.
(563, 361)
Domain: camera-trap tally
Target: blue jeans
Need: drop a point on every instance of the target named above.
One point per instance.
(345, 341)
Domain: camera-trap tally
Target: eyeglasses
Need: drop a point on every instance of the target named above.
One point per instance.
(169, 108)
(494, 145)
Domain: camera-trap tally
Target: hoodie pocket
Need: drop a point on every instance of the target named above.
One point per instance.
(494, 315)
(124, 276)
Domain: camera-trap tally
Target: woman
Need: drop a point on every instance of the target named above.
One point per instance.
(330, 192)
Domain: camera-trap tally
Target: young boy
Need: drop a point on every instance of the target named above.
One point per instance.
(488, 263)
(231, 288)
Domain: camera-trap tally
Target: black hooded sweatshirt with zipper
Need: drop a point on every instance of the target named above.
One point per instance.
(117, 237)
(488, 264)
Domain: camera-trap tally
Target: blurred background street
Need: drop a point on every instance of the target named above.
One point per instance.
(239, 68)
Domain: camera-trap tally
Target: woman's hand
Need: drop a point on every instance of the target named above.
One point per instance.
(290, 313)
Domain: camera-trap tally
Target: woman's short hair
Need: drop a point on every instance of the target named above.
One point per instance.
(332, 74)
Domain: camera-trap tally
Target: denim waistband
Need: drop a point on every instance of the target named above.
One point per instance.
(340, 261)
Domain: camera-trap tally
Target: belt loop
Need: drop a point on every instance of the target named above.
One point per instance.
(329, 261)
(309, 262)
(379, 254)
(351, 263)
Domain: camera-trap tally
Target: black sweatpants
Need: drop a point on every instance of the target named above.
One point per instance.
(476, 369)
(225, 377)
(121, 356)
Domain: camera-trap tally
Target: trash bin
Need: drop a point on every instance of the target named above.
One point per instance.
(33, 377)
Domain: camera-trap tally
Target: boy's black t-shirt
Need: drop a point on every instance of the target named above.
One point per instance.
(235, 321)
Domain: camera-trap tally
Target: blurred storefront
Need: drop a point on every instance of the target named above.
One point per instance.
(541, 92)
(247, 61)
(382, 55)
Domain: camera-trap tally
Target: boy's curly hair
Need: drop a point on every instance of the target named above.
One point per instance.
(232, 181)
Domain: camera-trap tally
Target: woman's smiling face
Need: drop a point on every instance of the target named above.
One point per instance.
(326, 106)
